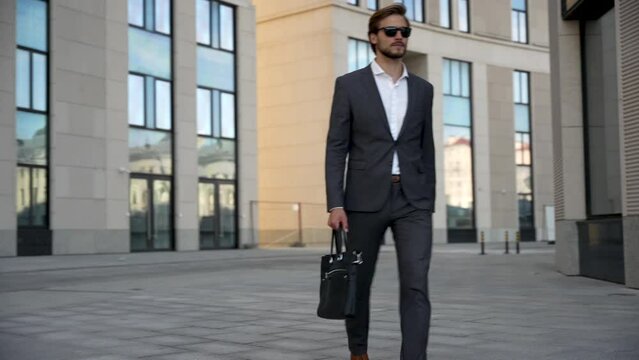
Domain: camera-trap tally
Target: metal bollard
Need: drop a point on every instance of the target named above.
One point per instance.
(506, 242)
(481, 242)
(517, 241)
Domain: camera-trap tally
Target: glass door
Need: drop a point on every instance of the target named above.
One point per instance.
(217, 215)
(150, 214)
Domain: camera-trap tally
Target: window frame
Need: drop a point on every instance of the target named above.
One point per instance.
(468, 17)
(530, 165)
(155, 79)
(145, 19)
(519, 12)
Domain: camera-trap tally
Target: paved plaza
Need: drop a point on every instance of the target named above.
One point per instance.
(260, 304)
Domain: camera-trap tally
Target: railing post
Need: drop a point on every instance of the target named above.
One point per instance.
(506, 242)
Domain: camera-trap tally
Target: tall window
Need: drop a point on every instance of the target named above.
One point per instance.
(216, 123)
(353, 2)
(150, 91)
(519, 21)
(464, 17)
(32, 115)
(458, 150)
(414, 9)
(372, 4)
(523, 158)
(444, 13)
(360, 54)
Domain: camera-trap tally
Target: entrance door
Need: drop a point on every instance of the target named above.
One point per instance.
(217, 215)
(150, 214)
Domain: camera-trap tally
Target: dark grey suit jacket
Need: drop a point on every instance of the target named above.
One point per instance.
(359, 129)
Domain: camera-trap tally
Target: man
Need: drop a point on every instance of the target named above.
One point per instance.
(381, 119)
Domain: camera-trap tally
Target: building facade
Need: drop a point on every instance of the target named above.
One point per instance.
(596, 137)
(489, 64)
(126, 125)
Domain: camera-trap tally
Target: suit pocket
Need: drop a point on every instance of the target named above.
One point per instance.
(357, 164)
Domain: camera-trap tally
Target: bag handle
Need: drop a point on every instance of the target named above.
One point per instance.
(339, 241)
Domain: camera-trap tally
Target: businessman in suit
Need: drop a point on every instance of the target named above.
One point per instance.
(381, 133)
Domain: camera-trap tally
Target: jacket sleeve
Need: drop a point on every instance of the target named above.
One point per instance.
(428, 146)
(337, 146)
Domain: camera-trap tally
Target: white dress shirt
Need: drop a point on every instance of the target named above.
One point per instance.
(395, 99)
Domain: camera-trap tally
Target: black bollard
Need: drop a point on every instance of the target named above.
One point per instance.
(506, 242)
(481, 242)
(517, 241)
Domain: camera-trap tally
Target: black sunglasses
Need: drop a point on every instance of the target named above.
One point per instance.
(391, 31)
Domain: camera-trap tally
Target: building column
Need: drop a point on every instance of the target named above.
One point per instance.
(186, 154)
(567, 114)
(247, 124)
(8, 220)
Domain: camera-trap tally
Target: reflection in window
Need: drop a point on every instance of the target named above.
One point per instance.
(150, 151)
(31, 80)
(215, 69)
(444, 13)
(32, 24)
(31, 204)
(136, 100)
(464, 19)
(152, 15)
(31, 136)
(360, 54)
(216, 158)
(162, 225)
(458, 149)
(519, 21)
(207, 215)
(227, 215)
(23, 79)
(149, 53)
(150, 102)
(523, 160)
(216, 113)
(163, 108)
(215, 25)
(372, 4)
(414, 9)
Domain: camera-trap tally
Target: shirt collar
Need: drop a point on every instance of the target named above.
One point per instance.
(377, 70)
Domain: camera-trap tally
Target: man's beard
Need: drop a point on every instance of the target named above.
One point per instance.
(391, 55)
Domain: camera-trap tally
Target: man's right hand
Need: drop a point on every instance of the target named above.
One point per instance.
(338, 219)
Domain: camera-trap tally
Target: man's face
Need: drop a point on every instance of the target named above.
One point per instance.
(392, 47)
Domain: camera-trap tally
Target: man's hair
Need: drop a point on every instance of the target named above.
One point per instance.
(383, 13)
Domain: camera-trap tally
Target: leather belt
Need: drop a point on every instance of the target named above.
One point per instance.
(395, 178)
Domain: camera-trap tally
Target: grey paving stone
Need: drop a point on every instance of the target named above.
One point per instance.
(217, 347)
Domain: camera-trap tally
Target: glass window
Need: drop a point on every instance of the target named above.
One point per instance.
(136, 12)
(228, 115)
(32, 24)
(456, 110)
(207, 216)
(524, 181)
(352, 2)
(372, 4)
(464, 19)
(360, 54)
(216, 158)
(149, 12)
(31, 136)
(163, 16)
(149, 104)
(414, 9)
(149, 53)
(39, 82)
(150, 151)
(526, 218)
(215, 24)
(162, 225)
(23, 79)
(522, 149)
(204, 112)
(519, 21)
(458, 177)
(217, 114)
(39, 197)
(136, 100)
(23, 196)
(226, 28)
(522, 118)
(216, 69)
(163, 108)
(203, 22)
(444, 13)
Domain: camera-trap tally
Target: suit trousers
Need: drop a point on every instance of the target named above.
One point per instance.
(412, 232)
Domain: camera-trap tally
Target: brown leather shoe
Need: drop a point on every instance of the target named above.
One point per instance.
(359, 357)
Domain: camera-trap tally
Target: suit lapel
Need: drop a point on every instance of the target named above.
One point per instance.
(373, 93)
(412, 98)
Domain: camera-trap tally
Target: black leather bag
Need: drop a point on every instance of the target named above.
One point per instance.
(338, 285)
